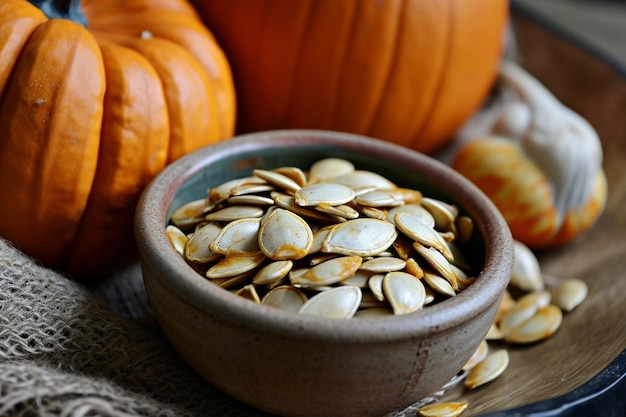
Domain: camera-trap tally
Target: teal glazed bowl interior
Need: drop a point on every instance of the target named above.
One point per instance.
(297, 365)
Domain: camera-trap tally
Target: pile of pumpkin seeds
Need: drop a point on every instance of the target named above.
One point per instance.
(333, 241)
(533, 315)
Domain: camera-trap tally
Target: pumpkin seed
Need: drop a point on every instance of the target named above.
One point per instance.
(238, 237)
(383, 264)
(478, 356)
(277, 179)
(189, 215)
(331, 228)
(361, 237)
(177, 238)
(540, 326)
(329, 168)
(444, 409)
(234, 265)
(285, 297)
(338, 302)
(272, 272)
(284, 235)
(329, 193)
(236, 212)
(197, 247)
(360, 178)
(328, 272)
(569, 294)
(404, 292)
(377, 198)
(526, 271)
(488, 369)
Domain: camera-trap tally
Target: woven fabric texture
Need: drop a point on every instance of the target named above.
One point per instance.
(64, 352)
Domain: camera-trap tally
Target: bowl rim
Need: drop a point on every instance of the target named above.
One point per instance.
(157, 254)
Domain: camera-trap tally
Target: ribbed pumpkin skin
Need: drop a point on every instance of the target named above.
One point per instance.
(407, 71)
(89, 116)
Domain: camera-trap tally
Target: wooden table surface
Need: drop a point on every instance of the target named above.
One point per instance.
(594, 334)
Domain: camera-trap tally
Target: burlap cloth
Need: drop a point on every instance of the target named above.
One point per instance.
(66, 350)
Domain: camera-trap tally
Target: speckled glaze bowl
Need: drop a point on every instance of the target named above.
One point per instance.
(297, 365)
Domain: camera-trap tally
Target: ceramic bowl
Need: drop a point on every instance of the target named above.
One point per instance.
(296, 365)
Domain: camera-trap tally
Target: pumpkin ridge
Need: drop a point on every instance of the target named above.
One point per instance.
(341, 74)
(392, 63)
(299, 49)
(435, 98)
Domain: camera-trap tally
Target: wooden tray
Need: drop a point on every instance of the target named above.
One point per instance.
(580, 371)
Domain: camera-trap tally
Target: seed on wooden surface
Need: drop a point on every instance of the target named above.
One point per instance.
(540, 326)
(524, 308)
(337, 302)
(478, 356)
(443, 409)
(569, 294)
(404, 292)
(494, 333)
(526, 270)
(488, 369)
(178, 239)
(285, 297)
(362, 237)
(506, 304)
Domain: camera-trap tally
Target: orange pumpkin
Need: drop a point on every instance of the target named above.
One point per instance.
(407, 71)
(90, 114)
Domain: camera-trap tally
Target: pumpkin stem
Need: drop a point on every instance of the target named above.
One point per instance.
(62, 9)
